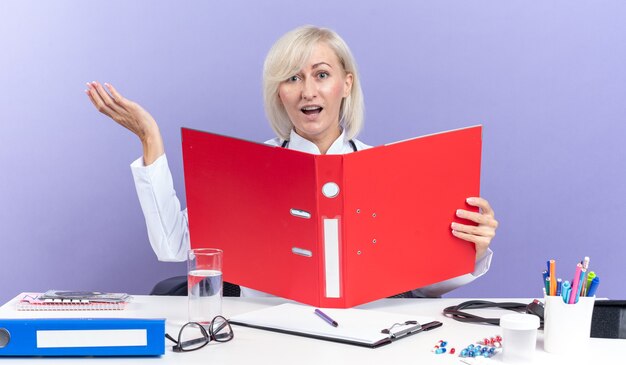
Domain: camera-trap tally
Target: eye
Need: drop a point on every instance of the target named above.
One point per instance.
(323, 75)
(293, 78)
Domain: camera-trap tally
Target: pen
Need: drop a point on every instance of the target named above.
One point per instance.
(593, 287)
(574, 292)
(590, 278)
(325, 317)
(552, 265)
(585, 263)
(581, 284)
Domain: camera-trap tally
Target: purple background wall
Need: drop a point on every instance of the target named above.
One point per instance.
(546, 79)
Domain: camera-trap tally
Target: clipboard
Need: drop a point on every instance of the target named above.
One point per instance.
(333, 230)
(358, 327)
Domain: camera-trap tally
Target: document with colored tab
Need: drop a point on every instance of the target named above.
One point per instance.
(82, 337)
(333, 230)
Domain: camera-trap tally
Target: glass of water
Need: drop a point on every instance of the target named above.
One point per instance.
(204, 284)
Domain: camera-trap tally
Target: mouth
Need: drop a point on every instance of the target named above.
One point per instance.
(311, 109)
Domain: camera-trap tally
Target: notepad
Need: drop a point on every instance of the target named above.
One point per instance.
(41, 302)
(355, 326)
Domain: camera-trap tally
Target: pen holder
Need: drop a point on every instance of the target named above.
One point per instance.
(567, 327)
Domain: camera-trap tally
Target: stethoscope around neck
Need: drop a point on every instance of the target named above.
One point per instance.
(285, 144)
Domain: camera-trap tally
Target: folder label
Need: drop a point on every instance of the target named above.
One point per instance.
(331, 257)
(91, 338)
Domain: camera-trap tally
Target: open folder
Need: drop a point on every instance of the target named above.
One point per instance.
(333, 230)
(355, 326)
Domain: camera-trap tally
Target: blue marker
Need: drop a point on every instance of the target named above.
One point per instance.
(559, 285)
(593, 287)
(565, 289)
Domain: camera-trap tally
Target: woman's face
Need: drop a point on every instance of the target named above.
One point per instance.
(312, 97)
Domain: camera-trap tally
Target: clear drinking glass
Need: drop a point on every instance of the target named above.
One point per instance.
(204, 284)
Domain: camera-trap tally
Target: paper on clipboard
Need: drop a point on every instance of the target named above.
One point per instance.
(355, 326)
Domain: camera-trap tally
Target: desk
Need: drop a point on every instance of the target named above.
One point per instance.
(265, 347)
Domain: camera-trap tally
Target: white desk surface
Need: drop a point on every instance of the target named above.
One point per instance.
(264, 347)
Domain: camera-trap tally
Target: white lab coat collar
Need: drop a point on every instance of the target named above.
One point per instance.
(340, 146)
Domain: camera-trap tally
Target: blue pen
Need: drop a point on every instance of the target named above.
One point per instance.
(593, 287)
(559, 285)
(325, 317)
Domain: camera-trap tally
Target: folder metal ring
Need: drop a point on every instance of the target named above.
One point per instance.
(5, 337)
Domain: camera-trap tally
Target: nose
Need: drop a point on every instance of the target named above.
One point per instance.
(309, 89)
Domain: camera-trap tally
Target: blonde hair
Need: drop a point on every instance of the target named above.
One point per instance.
(287, 56)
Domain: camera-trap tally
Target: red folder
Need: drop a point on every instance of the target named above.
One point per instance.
(333, 230)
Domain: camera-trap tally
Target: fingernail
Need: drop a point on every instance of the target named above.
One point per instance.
(106, 84)
(459, 213)
(454, 225)
(471, 200)
(454, 232)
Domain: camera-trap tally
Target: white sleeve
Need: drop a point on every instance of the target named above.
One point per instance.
(442, 287)
(168, 229)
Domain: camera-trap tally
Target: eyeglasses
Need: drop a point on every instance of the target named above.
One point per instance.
(194, 336)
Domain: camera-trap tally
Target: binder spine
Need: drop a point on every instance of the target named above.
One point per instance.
(82, 337)
(330, 204)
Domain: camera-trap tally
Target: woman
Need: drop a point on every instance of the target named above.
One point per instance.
(314, 102)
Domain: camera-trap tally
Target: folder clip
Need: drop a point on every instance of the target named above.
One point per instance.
(398, 330)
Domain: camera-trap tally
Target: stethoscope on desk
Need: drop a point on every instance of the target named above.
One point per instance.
(455, 312)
